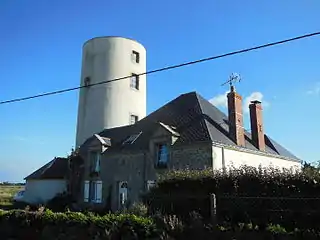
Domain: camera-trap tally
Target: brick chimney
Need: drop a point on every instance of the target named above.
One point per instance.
(236, 130)
(257, 132)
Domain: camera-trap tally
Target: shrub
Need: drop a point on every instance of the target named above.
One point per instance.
(45, 224)
(60, 202)
(242, 195)
(138, 209)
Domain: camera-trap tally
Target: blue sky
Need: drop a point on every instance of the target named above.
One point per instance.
(41, 45)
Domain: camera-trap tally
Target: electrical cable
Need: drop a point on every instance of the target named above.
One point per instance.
(164, 68)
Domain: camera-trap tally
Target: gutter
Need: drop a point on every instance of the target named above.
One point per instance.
(144, 170)
(224, 170)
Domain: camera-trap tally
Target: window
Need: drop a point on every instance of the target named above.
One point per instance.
(93, 191)
(86, 191)
(135, 56)
(134, 81)
(162, 155)
(95, 161)
(150, 184)
(133, 119)
(123, 193)
(131, 139)
(87, 81)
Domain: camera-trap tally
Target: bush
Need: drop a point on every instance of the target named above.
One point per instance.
(45, 224)
(138, 209)
(242, 195)
(60, 202)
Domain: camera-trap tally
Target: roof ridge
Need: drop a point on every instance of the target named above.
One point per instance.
(202, 115)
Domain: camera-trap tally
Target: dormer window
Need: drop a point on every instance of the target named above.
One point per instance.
(95, 162)
(162, 155)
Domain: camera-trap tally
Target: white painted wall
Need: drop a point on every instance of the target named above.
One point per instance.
(110, 105)
(40, 191)
(224, 157)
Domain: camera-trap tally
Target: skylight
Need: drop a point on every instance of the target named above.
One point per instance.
(131, 139)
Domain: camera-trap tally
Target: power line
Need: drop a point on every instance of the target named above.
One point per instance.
(165, 68)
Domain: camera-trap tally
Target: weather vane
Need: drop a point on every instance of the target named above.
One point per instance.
(233, 79)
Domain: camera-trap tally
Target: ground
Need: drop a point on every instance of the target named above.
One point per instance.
(6, 194)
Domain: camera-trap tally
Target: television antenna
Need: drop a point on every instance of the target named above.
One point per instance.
(234, 77)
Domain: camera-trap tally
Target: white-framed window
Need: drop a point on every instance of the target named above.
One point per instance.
(134, 81)
(135, 56)
(86, 191)
(150, 184)
(123, 193)
(162, 155)
(95, 159)
(133, 119)
(93, 191)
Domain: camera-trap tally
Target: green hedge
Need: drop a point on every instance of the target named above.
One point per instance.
(18, 224)
(270, 233)
(48, 225)
(243, 195)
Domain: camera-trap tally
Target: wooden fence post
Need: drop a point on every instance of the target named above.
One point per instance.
(213, 209)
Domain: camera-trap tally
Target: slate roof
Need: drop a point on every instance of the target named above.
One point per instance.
(194, 118)
(55, 169)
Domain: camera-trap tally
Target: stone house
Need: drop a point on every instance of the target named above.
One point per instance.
(119, 164)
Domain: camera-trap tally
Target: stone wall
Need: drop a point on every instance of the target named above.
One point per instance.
(195, 156)
(130, 167)
(138, 167)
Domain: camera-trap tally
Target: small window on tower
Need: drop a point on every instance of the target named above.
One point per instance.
(134, 81)
(135, 56)
(133, 119)
(87, 81)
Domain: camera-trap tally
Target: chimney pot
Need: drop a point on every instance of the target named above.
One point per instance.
(255, 102)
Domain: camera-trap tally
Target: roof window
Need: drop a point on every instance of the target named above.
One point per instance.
(131, 139)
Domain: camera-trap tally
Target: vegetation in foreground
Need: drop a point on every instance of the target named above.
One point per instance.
(7, 192)
(143, 222)
(44, 224)
(249, 195)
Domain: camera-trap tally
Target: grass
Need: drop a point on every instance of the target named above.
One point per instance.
(6, 194)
